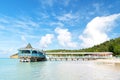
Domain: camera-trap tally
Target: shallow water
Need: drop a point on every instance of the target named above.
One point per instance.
(12, 69)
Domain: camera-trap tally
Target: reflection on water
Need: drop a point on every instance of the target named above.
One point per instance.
(58, 70)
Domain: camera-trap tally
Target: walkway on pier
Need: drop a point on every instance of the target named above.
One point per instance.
(76, 56)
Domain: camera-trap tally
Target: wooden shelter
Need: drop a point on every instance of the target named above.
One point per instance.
(30, 54)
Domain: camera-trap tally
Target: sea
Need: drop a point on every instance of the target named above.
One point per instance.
(12, 69)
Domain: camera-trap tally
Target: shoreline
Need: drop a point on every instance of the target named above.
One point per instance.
(109, 61)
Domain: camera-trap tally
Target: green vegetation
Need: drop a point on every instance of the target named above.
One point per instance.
(112, 45)
(62, 50)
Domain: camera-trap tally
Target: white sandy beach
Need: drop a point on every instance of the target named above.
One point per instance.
(111, 60)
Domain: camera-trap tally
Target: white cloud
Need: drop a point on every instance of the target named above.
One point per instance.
(25, 23)
(18, 25)
(59, 24)
(47, 2)
(2, 27)
(23, 39)
(67, 17)
(97, 6)
(66, 2)
(2, 20)
(64, 38)
(7, 51)
(97, 30)
(46, 40)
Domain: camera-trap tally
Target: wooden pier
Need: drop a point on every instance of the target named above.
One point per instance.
(77, 56)
(30, 54)
(70, 59)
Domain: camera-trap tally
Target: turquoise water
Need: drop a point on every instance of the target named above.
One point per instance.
(12, 69)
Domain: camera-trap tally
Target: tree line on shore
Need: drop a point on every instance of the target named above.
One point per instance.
(112, 45)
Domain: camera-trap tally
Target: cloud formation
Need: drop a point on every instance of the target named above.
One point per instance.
(23, 38)
(19, 24)
(66, 17)
(57, 24)
(97, 30)
(47, 3)
(46, 40)
(65, 38)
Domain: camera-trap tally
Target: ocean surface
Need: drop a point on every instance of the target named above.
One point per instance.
(12, 69)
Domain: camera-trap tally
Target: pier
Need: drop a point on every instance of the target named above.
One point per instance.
(69, 59)
(29, 54)
(76, 56)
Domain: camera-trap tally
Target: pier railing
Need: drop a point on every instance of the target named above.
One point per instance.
(30, 55)
(76, 57)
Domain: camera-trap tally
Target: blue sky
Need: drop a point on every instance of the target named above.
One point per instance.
(57, 24)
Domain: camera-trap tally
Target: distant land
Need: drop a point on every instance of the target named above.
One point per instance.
(112, 45)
